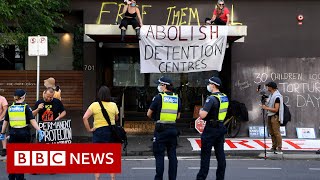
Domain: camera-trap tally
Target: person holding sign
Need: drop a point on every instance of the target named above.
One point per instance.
(18, 116)
(49, 108)
(213, 112)
(165, 110)
(101, 130)
(220, 16)
(130, 11)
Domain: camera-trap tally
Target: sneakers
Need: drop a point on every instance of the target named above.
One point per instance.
(278, 151)
(3, 152)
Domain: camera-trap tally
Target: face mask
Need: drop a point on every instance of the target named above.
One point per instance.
(159, 89)
(208, 88)
(133, 4)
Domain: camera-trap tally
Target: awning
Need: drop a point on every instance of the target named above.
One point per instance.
(111, 33)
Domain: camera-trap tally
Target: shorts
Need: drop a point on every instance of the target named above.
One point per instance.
(102, 135)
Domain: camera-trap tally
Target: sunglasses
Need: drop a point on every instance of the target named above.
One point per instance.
(221, 4)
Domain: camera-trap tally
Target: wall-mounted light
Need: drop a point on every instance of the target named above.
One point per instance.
(100, 44)
(300, 19)
(66, 37)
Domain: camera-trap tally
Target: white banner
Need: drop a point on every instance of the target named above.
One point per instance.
(182, 49)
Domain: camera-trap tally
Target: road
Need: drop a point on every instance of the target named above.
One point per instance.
(246, 169)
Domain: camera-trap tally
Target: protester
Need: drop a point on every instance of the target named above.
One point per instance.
(51, 83)
(165, 110)
(101, 129)
(19, 116)
(220, 16)
(275, 111)
(3, 110)
(49, 108)
(130, 11)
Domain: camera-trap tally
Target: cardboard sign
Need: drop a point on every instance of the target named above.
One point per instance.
(57, 132)
(305, 133)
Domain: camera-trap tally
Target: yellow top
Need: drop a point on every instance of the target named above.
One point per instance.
(99, 120)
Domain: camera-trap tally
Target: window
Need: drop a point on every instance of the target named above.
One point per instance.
(126, 70)
(11, 58)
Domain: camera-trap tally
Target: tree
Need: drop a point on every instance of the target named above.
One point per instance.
(22, 18)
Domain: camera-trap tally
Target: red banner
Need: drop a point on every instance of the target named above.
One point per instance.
(63, 158)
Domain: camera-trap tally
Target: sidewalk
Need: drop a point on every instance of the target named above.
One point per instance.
(141, 145)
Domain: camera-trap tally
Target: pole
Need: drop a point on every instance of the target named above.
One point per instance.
(264, 134)
(38, 79)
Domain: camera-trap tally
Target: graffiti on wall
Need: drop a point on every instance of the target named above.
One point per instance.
(174, 15)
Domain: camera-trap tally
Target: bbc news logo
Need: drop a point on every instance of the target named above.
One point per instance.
(64, 158)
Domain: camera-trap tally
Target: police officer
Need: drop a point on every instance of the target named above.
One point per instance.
(165, 110)
(18, 116)
(213, 112)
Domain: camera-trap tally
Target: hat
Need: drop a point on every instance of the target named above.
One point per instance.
(19, 93)
(215, 80)
(50, 82)
(164, 80)
(272, 85)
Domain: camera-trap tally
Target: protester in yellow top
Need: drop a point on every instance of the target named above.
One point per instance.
(101, 130)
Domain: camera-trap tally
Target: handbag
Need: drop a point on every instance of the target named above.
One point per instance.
(118, 134)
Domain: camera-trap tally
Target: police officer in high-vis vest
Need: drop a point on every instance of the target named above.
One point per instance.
(19, 116)
(213, 112)
(165, 110)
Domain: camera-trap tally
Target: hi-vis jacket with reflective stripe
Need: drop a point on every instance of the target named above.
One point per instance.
(169, 109)
(17, 115)
(224, 103)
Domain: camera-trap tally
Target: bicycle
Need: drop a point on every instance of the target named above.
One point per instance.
(233, 125)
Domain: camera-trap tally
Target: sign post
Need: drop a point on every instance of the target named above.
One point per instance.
(38, 46)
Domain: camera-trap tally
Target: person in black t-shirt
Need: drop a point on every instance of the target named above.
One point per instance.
(49, 108)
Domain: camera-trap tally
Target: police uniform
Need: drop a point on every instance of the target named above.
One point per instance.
(165, 107)
(213, 134)
(19, 115)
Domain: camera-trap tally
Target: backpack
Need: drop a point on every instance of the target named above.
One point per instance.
(286, 115)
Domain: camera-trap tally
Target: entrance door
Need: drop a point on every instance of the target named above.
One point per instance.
(120, 70)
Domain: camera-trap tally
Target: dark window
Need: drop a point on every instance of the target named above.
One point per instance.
(12, 58)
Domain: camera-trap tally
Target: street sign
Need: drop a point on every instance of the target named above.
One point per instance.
(38, 46)
(199, 125)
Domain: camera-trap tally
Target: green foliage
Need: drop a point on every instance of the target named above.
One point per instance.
(22, 18)
(77, 48)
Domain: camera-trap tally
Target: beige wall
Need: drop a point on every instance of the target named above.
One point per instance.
(59, 58)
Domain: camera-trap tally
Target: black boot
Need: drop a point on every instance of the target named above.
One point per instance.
(123, 34)
(138, 33)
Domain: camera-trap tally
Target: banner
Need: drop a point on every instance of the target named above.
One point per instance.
(258, 144)
(63, 158)
(57, 132)
(182, 49)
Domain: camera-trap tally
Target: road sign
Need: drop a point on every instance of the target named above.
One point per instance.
(38, 46)
(199, 125)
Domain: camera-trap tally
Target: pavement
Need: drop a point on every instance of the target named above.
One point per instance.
(141, 145)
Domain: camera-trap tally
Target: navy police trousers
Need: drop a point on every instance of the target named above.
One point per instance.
(165, 138)
(212, 137)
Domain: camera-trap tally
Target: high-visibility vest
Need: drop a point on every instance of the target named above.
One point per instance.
(17, 115)
(224, 103)
(169, 109)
